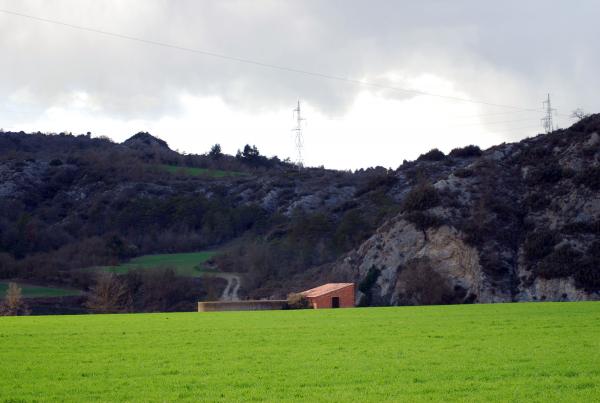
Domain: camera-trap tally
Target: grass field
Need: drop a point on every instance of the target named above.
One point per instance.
(542, 352)
(184, 264)
(34, 291)
(193, 171)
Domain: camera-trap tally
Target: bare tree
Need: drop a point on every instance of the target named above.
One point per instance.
(420, 284)
(109, 295)
(579, 114)
(14, 305)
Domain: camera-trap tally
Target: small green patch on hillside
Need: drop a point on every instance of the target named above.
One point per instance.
(34, 291)
(527, 352)
(193, 171)
(184, 264)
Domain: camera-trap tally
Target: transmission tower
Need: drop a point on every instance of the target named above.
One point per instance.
(298, 134)
(547, 120)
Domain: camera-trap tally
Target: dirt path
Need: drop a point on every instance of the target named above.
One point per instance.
(230, 293)
(234, 281)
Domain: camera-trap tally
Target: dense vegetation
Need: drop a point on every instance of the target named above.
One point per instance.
(498, 352)
(72, 202)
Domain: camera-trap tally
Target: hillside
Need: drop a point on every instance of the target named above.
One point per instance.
(516, 222)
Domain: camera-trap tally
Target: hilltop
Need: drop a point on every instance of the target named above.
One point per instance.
(515, 222)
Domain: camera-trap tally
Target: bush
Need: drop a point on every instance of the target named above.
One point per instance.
(463, 173)
(587, 275)
(539, 244)
(432, 155)
(470, 151)
(352, 230)
(545, 174)
(589, 178)
(423, 221)
(297, 301)
(109, 295)
(420, 284)
(13, 305)
(380, 181)
(421, 197)
(366, 285)
(537, 201)
(563, 262)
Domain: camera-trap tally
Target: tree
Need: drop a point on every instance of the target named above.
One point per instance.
(420, 284)
(14, 305)
(215, 152)
(250, 152)
(579, 114)
(109, 295)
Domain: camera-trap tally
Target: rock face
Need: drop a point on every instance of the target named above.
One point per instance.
(399, 242)
(520, 222)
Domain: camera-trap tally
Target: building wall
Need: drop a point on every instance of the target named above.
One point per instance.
(346, 296)
(217, 306)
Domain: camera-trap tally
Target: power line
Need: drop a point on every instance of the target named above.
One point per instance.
(263, 64)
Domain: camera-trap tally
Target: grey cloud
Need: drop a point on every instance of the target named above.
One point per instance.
(509, 52)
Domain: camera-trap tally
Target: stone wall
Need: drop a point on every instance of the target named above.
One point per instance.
(251, 305)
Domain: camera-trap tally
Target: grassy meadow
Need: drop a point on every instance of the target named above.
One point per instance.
(185, 264)
(34, 291)
(540, 352)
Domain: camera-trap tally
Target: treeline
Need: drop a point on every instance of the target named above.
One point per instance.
(158, 290)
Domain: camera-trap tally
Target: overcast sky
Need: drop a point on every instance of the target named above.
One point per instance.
(55, 78)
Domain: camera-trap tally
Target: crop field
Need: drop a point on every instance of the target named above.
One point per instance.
(541, 352)
(184, 264)
(193, 171)
(34, 291)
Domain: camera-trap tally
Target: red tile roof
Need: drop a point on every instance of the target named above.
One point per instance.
(325, 289)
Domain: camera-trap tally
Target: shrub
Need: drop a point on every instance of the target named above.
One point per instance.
(108, 295)
(581, 227)
(589, 178)
(432, 155)
(537, 201)
(297, 301)
(587, 275)
(352, 230)
(380, 181)
(421, 197)
(463, 172)
(366, 285)
(420, 284)
(547, 173)
(563, 262)
(470, 151)
(13, 304)
(539, 244)
(424, 221)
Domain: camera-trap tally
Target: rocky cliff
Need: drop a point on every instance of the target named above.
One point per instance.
(520, 222)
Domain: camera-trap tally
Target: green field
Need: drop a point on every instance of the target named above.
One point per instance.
(540, 352)
(34, 291)
(184, 264)
(193, 171)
